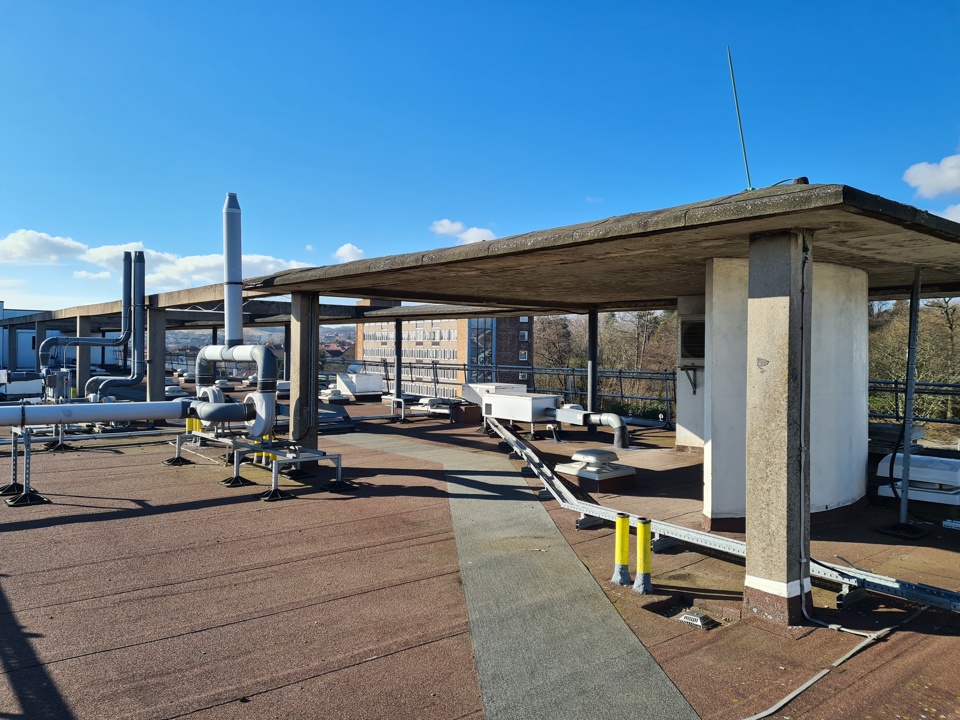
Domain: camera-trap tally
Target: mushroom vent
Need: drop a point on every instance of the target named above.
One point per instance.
(594, 460)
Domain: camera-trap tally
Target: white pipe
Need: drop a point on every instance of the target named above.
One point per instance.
(92, 412)
(614, 421)
(232, 272)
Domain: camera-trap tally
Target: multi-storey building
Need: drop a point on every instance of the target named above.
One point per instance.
(439, 356)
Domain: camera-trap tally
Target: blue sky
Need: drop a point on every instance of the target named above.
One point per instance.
(367, 129)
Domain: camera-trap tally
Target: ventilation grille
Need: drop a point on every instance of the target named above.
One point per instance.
(693, 339)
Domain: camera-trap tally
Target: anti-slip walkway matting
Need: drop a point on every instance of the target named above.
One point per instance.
(548, 643)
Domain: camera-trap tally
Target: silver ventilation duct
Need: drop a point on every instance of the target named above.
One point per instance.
(125, 328)
(139, 365)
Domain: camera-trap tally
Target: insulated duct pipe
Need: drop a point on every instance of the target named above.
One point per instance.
(611, 420)
(138, 370)
(232, 272)
(266, 362)
(92, 412)
(123, 339)
(263, 401)
(25, 414)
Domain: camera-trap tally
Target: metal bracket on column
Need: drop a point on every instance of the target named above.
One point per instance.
(692, 377)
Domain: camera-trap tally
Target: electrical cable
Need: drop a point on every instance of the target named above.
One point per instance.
(870, 639)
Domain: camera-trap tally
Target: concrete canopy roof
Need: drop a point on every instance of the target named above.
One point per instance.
(651, 258)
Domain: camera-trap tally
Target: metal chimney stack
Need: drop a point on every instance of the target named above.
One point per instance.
(232, 272)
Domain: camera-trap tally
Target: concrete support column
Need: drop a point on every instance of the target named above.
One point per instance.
(725, 395)
(286, 351)
(690, 374)
(397, 358)
(83, 354)
(778, 398)
(156, 354)
(12, 347)
(304, 368)
(593, 371)
(39, 335)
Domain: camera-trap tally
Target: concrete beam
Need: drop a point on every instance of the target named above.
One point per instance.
(778, 427)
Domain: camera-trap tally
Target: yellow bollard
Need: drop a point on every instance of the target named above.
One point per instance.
(268, 457)
(621, 559)
(642, 584)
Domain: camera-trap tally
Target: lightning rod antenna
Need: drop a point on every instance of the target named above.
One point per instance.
(736, 103)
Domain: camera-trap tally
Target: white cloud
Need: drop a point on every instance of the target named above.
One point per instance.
(593, 200)
(474, 234)
(951, 213)
(37, 248)
(932, 179)
(110, 256)
(169, 272)
(463, 234)
(347, 253)
(165, 271)
(308, 248)
(446, 227)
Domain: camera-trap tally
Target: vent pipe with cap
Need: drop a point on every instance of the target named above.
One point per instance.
(232, 272)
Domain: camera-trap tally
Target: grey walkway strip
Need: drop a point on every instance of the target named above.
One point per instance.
(548, 642)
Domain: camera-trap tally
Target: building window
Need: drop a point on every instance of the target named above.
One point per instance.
(524, 336)
(524, 318)
(523, 356)
(481, 348)
(521, 376)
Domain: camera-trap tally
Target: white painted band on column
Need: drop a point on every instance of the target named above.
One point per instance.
(774, 587)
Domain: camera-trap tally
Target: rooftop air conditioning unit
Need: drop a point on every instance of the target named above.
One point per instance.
(693, 340)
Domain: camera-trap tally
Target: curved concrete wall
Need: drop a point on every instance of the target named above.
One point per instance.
(838, 387)
(838, 400)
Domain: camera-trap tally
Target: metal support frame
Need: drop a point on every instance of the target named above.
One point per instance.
(398, 359)
(281, 455)
(908, 398)
(589, 508)
(593, 354)
(21, 494)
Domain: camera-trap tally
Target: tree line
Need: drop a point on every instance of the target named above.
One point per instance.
(647, 340)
